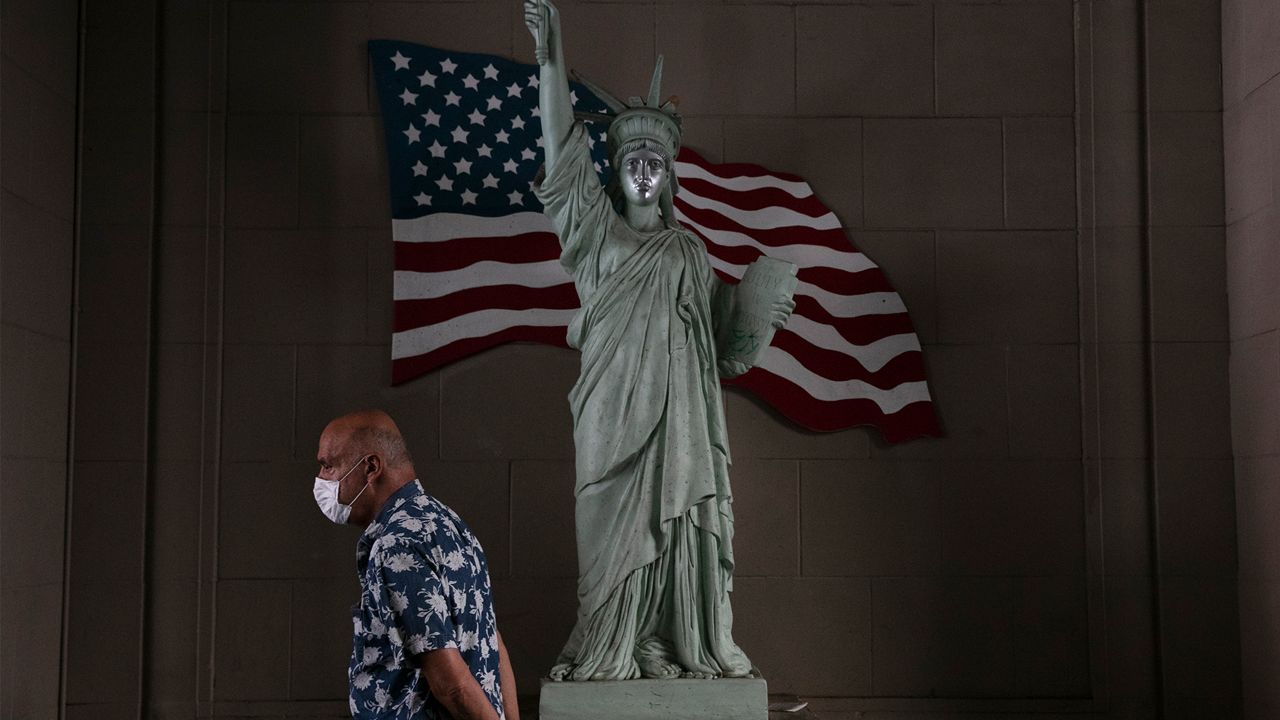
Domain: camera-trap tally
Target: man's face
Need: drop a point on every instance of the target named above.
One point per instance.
(644, 175)
(343, 467)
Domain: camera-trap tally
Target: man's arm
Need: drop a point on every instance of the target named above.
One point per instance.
(451, 682)
(510, 700)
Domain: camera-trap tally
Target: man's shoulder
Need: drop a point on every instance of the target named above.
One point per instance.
(423, 517)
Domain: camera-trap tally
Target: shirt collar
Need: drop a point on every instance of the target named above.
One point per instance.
(397, 499)
(409, 491)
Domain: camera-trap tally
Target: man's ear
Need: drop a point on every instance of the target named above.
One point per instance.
(374, 465)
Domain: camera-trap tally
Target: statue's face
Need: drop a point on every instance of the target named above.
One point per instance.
(644, 176)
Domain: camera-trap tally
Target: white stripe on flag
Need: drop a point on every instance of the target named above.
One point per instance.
(800, 254)
(851, 306)
(422, 340)
(439, 227)
(411, 285)
(770, 218)
(872, 356)
(744, 183)
(785, 366)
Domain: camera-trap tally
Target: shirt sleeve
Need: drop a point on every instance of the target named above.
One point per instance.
(412, 600)
(571, 195)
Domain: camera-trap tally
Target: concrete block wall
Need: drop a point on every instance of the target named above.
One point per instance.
(992, 157)
(1251, 137)
(38, 61)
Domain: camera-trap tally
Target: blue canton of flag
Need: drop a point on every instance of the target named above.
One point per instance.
(463, 130)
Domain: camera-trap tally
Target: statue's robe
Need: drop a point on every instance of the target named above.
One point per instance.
(654, 524)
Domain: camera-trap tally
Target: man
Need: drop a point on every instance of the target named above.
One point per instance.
(426, 643)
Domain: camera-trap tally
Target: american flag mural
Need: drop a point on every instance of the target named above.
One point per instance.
(477, 264)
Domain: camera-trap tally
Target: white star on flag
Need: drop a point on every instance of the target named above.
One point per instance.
(510, 166)
(470, 82)
(490, 72)
(437, 150)
(447, 66)
(484, 151)
(462, 167)
(451, 98)
(533, 81)
(412, 133)
(409, 98)
(513, 90)
(402, 62)
(459, 135)
(468, 197)
(426, 79)
(527, 154)
(445, 183)
(503, 136)
(495, 103)
(516, 197)
(517, 123)
(431, 117)
(476, 117)
(422, 198)
(490, 181)
(419, 169)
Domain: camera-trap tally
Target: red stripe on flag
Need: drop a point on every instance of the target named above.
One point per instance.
(460, 252)
(841, 282)
(912, 421)
(729, 170)
(772, 237)
(405, 369)
(758, 199)
(411, 314)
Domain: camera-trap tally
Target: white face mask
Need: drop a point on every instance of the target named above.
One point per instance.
(326, 492)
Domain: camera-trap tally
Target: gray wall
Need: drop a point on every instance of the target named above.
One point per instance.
(1059, 243)
(1251, 124)
(38, 56)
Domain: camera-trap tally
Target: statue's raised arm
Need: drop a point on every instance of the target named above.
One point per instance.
(543, 21)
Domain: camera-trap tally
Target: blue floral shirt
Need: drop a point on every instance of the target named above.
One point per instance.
(425, 586)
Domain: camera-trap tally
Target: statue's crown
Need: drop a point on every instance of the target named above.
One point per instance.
(638, 119)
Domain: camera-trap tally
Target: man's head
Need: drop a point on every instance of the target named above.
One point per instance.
(365, 455)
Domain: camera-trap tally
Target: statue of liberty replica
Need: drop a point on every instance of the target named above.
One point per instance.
(653, 514)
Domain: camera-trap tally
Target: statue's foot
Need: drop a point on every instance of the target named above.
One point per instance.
(658, 668)
(561, 672)
(740, 671)
(700, 675)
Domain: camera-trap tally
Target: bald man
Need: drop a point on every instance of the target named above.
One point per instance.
(426, 643)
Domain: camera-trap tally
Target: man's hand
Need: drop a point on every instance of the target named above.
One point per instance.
(451, 682)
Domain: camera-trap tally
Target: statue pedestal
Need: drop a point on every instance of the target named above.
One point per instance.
(720, 699)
